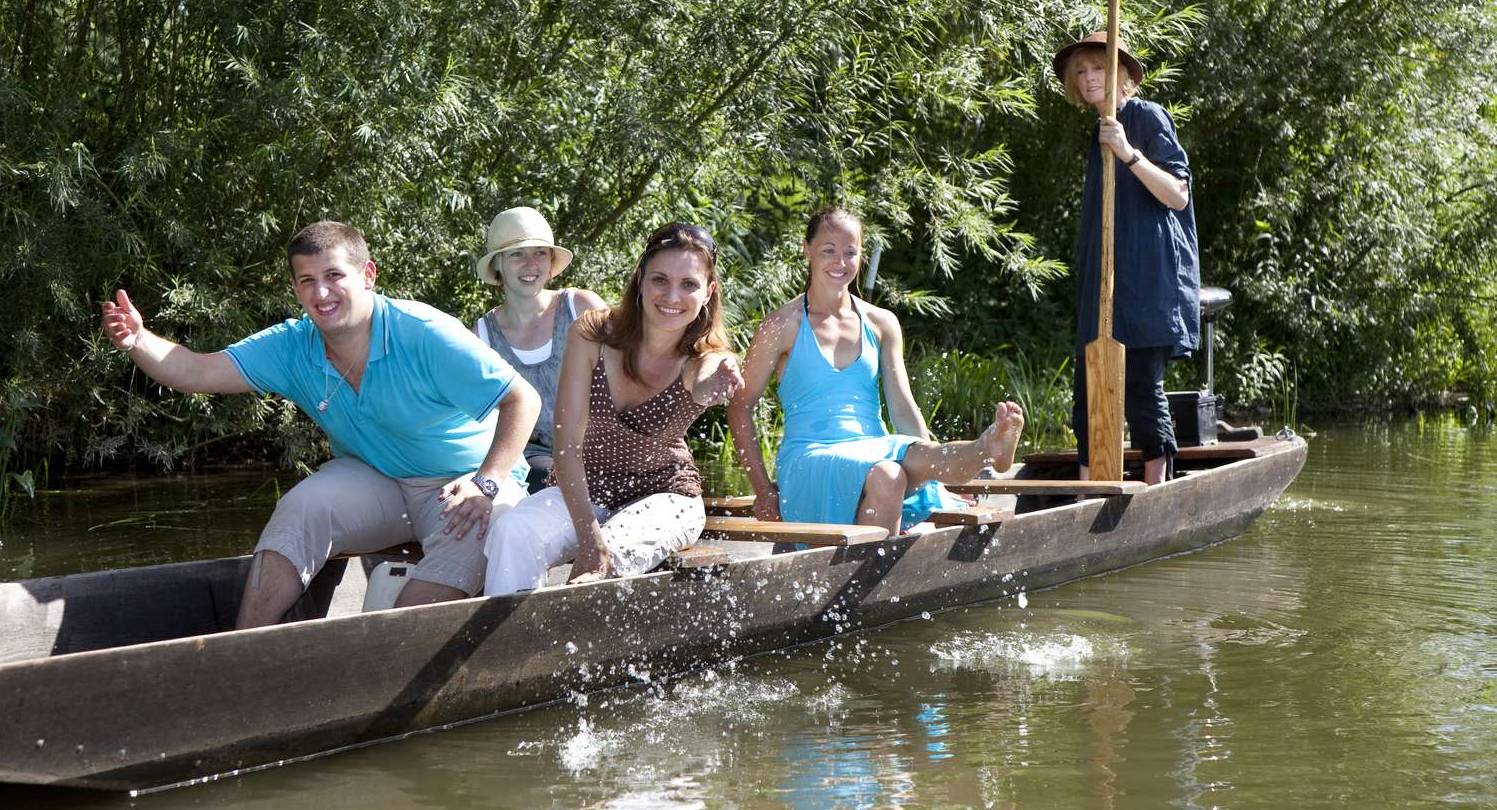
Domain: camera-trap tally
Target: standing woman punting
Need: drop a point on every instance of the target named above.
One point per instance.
(1156, 306)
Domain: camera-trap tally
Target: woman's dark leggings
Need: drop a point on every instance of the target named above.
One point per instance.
(1145, 407)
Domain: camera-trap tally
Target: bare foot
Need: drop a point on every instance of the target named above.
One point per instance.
(1001, 439)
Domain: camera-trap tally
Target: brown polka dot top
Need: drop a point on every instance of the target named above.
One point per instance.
(641, 450)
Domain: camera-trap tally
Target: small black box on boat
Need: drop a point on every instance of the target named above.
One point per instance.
(1194, 414)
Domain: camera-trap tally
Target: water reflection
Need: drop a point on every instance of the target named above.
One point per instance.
(98, 522)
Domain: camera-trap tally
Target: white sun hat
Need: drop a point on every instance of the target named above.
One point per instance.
(519, 228)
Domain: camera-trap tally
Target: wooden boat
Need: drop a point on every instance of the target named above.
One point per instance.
(127, 680)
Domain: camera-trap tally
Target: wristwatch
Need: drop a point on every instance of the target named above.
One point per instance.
(487, 485)
(1138, 154)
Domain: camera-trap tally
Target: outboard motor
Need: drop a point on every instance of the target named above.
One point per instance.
(1195, 413)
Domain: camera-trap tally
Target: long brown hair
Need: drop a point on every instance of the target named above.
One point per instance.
(623, 327)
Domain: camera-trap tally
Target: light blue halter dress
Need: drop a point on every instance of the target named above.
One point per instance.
(834, 433)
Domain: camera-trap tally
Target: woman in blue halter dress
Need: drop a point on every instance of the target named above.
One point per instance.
(838, 463)
(834, 433)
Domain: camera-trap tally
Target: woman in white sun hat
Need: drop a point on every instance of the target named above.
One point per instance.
(529, 327)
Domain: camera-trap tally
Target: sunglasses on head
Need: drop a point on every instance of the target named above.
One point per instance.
(680, 233)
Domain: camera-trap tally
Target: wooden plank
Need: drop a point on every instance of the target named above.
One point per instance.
(1105, 356)
(1039, 486)
(739, 505)
(1221, 451)
(698, 557)
(812, 534)
(970, 516)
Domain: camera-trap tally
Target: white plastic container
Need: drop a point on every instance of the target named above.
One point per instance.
(385, 583)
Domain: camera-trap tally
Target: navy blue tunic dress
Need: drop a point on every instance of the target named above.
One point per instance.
(1156, 267)
(1156, 278)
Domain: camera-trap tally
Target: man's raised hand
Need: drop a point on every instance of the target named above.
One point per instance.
(122, 322)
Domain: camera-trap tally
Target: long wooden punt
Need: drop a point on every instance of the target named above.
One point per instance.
(127, 680)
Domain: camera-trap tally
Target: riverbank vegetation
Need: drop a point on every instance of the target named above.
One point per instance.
(1345, 160)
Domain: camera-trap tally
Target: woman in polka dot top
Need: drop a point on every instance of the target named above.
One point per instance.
(625, 493)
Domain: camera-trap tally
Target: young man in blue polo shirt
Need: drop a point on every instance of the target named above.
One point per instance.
(427, 424)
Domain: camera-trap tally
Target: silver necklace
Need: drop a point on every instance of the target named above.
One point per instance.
(326, 395)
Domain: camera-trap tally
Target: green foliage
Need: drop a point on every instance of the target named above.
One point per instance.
(1347, 171)
(14, 481)
(958, 391)
(1344, 158)
(173, 153)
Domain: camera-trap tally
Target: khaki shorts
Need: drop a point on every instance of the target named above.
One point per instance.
(348, 507)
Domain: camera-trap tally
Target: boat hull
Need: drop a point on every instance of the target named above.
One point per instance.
(163, 712)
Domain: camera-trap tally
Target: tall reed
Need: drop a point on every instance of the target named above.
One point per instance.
(958, 390)
(14, 481)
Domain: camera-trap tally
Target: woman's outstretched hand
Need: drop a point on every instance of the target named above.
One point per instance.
(719, 386)
(768, 507)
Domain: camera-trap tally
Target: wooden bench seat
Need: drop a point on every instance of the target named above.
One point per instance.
(1221, 451)
(1038, 486)
(689, 557)
(742, 506)
(969, 516)
(697, 557)
(405, 552)
(812, 534)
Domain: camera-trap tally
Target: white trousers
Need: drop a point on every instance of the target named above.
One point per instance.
(537, 533)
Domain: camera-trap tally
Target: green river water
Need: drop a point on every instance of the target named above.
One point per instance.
(1342, 653)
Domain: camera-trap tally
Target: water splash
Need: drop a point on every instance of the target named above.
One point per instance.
(1061, 656)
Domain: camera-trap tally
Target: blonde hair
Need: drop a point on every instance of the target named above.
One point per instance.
(1126, 86)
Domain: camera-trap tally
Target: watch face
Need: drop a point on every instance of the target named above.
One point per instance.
(489, 486)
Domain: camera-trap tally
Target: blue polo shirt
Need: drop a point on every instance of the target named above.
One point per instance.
(426, 405)
(1156, 267)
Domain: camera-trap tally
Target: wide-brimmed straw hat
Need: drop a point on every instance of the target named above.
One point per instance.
(519, 228)
(1097, 39)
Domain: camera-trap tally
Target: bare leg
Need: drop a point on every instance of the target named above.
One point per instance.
(883, 496)
(956, 462)
(270, 590)
(421, 592)
(1153, 471)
